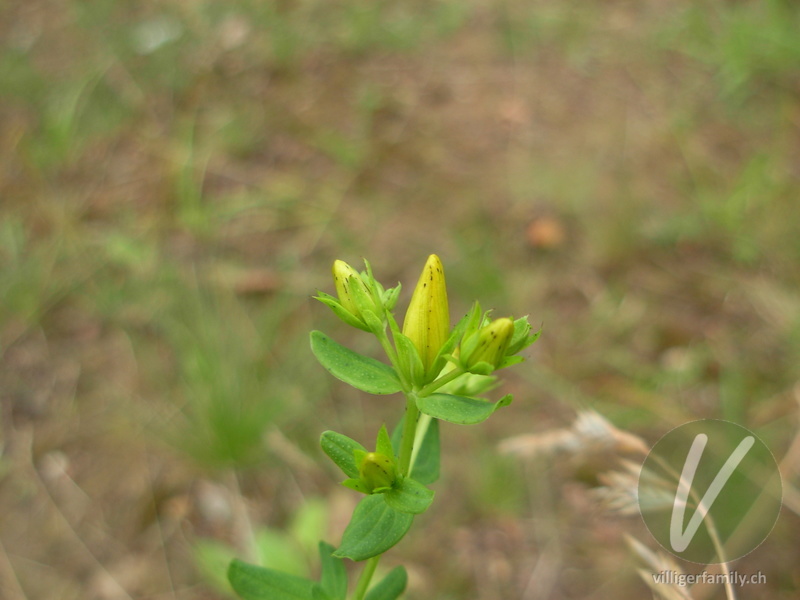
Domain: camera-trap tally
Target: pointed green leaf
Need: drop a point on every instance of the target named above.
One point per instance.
(509, 361)
(482, 368)
(390, 587)
(425, 468)
(390, 296)
(333, 580)
(449, 346)
(340, 449)
(373, 529)
(426, 464)
(469, 384)
(522, 336)
(409, 496)
(356, 484)
(340, 311)
(383, 444)
(365, 303)
(462, 410)
(362, 372)
(373, 322)
(258, 583)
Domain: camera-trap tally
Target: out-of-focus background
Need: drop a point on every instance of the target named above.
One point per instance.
(176, 178)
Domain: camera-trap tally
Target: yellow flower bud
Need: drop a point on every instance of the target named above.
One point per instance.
(492, 343)
(377, 471)
(427, 322)
(345, 276)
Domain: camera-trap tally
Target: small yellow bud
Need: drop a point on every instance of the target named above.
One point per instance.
(493, 340)
(377, 471)
(427, 322)
(345, 276)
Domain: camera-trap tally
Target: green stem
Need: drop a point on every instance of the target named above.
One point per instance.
(422, 428)
(410, 443)
(387, 347)
(366, 577)
(435, 385)
(409, 433)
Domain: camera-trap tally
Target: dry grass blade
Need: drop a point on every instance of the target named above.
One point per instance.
(663, 590)
(9, 582)
(620, 490)
(629, 490)
(590, 432)
(790, 464)
(658, 563)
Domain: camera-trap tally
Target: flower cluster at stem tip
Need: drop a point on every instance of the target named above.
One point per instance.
(427, 347)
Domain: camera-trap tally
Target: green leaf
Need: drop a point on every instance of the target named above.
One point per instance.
(373, 529)
(472, 321)
(425, 468)
(373, 322)
(367, 305)
(522, 337)
(469, 384)
(390, 587)
(340, 311)
(462, 410)
(409, 496)
(362, 372)
(390, 296)
(333, 580)
(509, 361)
(340, 449)
(426, 464)
(449, 346)
(257, 583)
(383, 444)
(482, 368)
(356, 484)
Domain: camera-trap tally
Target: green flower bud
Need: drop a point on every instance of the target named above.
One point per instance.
(427, 322)
(489, 344)
(377, 472)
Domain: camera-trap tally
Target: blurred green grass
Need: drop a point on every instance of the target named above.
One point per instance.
(176, 178)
